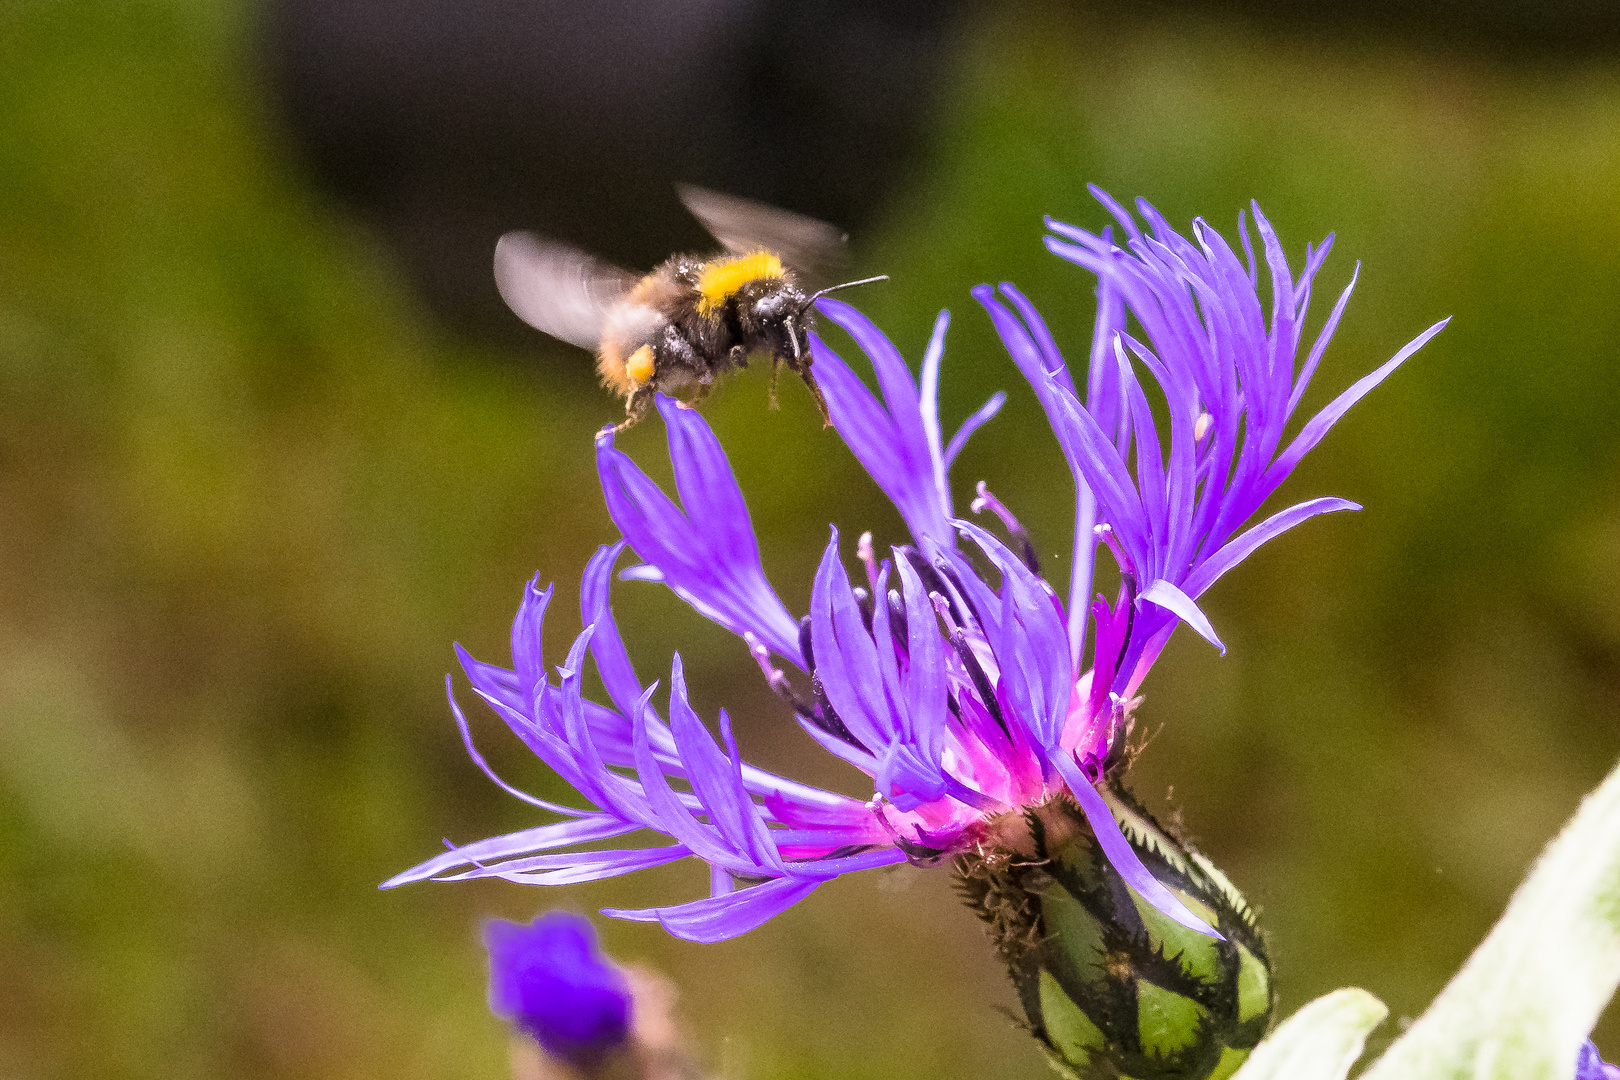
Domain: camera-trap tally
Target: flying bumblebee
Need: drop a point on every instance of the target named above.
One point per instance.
(692, 318)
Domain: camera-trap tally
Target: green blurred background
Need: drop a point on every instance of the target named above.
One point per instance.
(251, 489)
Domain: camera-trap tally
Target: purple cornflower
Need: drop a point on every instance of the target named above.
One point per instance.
(551, 980)
(963, 694)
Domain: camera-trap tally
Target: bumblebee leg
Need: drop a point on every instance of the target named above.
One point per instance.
(821, 402)
(703, 388)
(801, 364)
(635, 406)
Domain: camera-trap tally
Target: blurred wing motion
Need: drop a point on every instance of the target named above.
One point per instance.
(557, 289)
(742, 226)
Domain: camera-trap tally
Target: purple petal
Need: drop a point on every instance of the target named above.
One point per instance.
(708, 556)
(928, 407)
(1319, 424)
(577, 866)
(1167, 596)
(1320, 345)
(826, 869)
(972, 424)
(607, 647)
(1236, 550)
(846, 658)
(902, 468)
(900, 395)
(1031, 643)
(558, 834)
(717, 918)
(528, 654)
(484, 767)
(670, 815)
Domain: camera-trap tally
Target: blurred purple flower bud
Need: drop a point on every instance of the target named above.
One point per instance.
(552, 981)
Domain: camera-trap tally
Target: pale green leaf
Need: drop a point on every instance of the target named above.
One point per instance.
(1319, 1042)
(1526, 999)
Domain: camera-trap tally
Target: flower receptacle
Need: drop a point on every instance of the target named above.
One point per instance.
(1109, 985)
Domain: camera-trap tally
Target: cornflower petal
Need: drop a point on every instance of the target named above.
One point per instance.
(1033, 649)
(1320, 345)
(925, 685)
(542, 838)
(483, 765)
(607, 647)
(1245, 543)
(717, 918)
(971, 424)
(596, 782)
(669, 816)
(577, 866)
(1119, 503)
(707, 768)
(846, 659)
(928, 407)
(709, 559)
(1319, 425)
(1167, 596)
(889, 440)
(1230, 384)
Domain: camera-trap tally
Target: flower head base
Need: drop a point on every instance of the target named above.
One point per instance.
(952, 673)
(1109, 985)
(551, 981)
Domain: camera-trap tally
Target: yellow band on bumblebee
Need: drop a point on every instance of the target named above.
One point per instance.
(723, 277)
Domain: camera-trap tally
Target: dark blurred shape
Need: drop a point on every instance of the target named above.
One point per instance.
(450, 122)
(1503, 29)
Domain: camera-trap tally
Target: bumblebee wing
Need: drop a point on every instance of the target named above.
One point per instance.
(555, 288)
(742, 226)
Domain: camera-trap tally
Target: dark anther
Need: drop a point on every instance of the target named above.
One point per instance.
(1015, 529)
(930, 578)
(841, 853)
(957, 590)
(822, 714)
(1118, 750)
(785, 691)
(1130, 620)
(827, 719)
(981, 681)
(1027, 550)
(864, 599)
(897, 621)
(918, 853)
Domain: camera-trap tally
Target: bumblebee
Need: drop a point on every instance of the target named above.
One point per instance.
(691, 319)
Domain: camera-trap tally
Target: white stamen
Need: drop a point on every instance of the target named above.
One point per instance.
(864, 552)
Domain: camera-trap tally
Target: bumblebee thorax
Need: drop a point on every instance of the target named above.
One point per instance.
(721, 279)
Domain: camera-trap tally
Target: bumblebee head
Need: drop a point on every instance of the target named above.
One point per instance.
(778, 319)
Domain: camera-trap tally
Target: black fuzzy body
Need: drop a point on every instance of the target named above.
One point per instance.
(694, 346)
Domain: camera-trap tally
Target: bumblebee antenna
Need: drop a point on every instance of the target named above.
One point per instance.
(834, 288)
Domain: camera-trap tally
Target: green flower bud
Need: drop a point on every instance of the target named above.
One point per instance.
(1110, 986)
